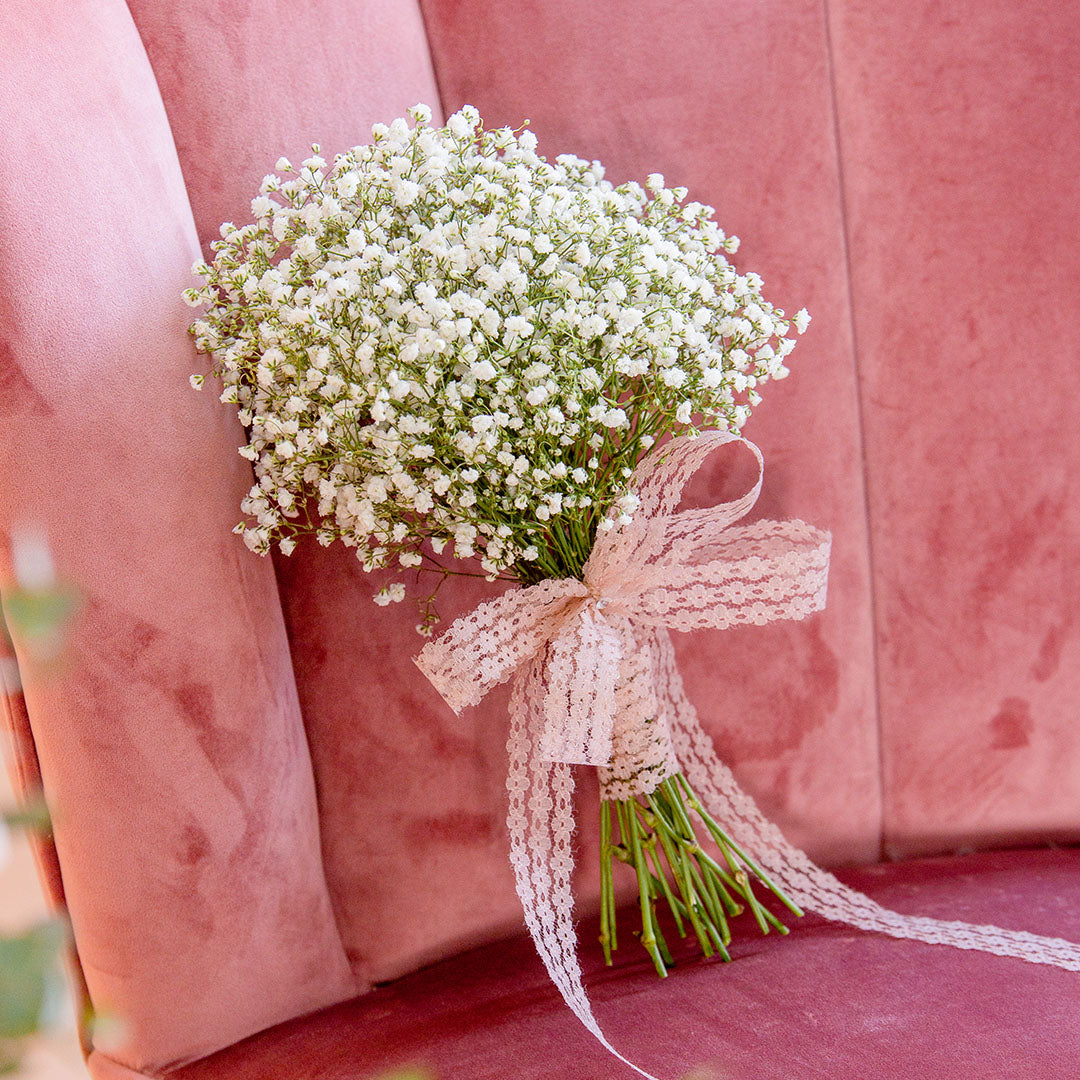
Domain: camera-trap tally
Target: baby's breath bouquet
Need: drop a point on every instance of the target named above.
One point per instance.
(444, 346)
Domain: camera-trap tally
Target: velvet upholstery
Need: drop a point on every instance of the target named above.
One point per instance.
(826, 1003)
(959, 141)
(393, 765)
(261, 808)
(172, 752)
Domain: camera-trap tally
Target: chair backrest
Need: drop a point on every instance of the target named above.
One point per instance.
(260, 807)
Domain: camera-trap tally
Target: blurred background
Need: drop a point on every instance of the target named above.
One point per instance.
(38, 1012)
(53, 1053)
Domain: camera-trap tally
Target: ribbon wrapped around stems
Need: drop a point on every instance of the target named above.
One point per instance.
(595, 683)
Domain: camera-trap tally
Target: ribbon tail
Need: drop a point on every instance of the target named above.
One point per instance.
(540, 819)
(811, 887)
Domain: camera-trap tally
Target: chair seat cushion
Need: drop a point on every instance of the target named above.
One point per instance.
(827, 1001)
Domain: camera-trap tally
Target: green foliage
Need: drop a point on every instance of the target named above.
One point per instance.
(39, 617)
(38, 612)
(28, 974)
(30, 981)
(33, 814)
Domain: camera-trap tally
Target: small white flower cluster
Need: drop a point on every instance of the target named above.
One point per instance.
(444, 341)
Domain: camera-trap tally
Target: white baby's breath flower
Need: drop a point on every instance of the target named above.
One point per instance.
(443, 337)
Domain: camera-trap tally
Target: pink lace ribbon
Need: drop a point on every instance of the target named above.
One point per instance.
(595, 682)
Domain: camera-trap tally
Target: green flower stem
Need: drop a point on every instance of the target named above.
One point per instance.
(648, 927)
(607, 913)
(719, 836)
(702, 891)
(660, 879)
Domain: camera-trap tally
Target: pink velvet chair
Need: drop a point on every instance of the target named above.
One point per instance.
(262, 814)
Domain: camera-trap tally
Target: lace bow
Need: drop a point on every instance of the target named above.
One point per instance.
(677, 571)
(595, 682)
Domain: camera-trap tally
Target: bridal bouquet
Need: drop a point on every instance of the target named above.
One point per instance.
(444, 344)
(445, 347)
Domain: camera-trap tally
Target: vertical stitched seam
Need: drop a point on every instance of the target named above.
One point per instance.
(861, 425)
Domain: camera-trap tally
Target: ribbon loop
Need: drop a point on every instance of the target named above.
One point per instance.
(661, 478)
(484, 648)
